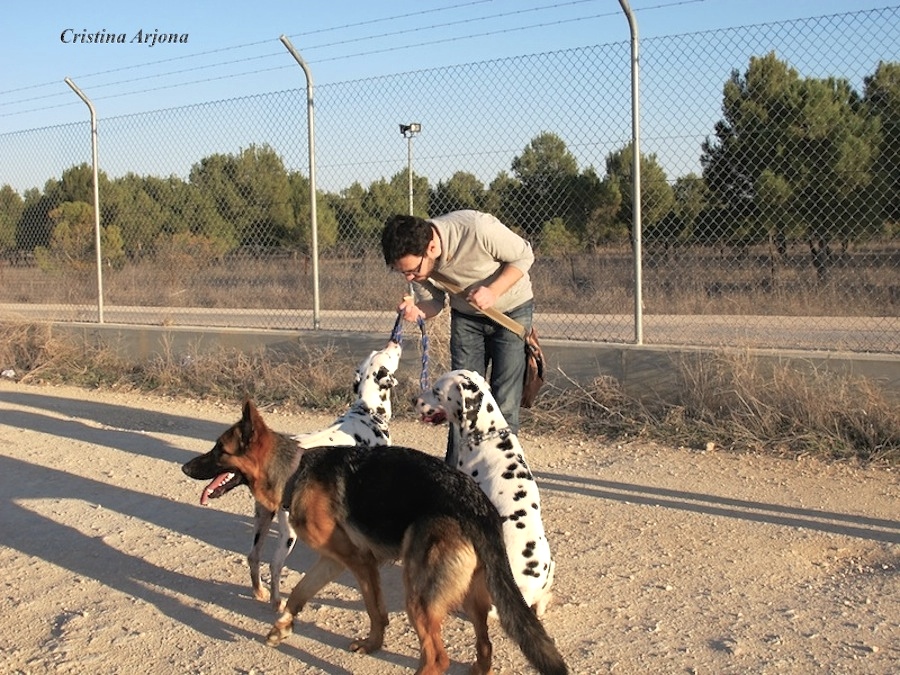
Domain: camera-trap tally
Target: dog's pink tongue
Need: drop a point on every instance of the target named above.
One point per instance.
(437, 417)
(217, 482)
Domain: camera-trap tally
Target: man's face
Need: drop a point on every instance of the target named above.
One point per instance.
(414, 267)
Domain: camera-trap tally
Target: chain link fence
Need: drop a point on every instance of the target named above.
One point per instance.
(769, 170)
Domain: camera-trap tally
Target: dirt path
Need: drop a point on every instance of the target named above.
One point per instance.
(668, 560)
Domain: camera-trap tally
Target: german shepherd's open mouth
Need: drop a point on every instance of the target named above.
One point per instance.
(220, 485)
(205, 468)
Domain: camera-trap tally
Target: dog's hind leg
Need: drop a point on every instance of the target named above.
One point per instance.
(263, 519)
(477, 606)
(438, 564)
(287, 537)
(546, 596)
(324, 570)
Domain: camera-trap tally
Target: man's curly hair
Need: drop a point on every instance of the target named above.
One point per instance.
(404, 235)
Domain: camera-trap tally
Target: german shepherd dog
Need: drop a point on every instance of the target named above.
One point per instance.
(360, 507)
(365, 423)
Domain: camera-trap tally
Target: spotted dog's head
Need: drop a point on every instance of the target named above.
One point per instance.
(375, 378)
(463, 397)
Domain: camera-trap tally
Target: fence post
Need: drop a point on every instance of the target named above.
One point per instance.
(636, 176)
(96, 170)
(311, 136)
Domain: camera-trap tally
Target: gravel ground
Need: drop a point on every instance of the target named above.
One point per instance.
(669, 560)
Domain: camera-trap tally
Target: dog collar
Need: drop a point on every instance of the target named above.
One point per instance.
(480, 437)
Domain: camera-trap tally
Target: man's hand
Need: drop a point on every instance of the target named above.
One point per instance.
(482, 297)
(409, 309)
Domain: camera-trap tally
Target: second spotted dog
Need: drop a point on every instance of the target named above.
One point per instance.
(492, 455)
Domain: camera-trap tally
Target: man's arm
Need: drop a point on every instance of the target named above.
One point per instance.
(485, 296)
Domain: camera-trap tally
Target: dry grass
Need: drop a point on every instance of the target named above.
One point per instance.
(729, 401)
(736, 401)
(686, 280)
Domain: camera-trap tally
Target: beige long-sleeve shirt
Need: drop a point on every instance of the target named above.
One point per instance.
(475, 246)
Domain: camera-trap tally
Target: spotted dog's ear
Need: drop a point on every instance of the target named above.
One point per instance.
(468, 389)
(471, 382)
(471, 398)
(385, 379)
(461, 402)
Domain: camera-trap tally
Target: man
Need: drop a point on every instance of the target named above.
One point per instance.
(491, 263)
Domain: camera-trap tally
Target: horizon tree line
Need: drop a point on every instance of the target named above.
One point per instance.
(793, 159)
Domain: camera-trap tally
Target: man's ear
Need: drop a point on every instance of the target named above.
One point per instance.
(433, 249)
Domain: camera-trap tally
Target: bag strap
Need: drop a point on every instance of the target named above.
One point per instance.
(499, 317)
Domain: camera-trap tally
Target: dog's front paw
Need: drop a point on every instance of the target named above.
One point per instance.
(279, 605)
(261, 594)
(282, 628)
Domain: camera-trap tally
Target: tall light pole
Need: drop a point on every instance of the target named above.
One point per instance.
(408, 131)
(96, 182)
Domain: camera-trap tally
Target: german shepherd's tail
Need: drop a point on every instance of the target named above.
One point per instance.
(516, 617)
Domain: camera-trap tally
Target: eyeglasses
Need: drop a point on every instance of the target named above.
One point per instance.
(415, 272)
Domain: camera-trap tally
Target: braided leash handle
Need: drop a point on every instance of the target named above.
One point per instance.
(397, 336)
(424, 383)
(437, 416)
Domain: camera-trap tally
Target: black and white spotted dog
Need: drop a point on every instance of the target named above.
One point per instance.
(491, 453)
(365, 424)
(366, 421)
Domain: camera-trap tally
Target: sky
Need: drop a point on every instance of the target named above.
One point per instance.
(227, 50)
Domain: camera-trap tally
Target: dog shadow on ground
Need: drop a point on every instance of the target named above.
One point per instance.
(117, 416)
(864, 527)
(90, 557)
(186, 594)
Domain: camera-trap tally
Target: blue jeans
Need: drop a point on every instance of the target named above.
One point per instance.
(477, 343)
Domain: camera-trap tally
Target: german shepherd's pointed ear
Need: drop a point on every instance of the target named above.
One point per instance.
(251, 422)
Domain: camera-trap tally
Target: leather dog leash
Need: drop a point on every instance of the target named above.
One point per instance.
(499, 317)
